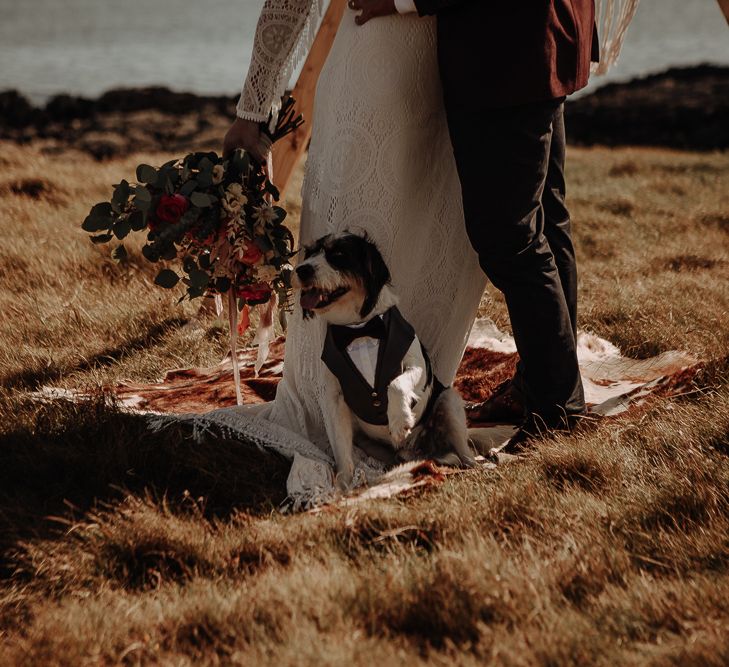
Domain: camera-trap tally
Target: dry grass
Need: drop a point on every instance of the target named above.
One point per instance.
(121, 546)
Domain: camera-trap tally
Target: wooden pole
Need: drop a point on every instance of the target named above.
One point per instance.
(724, 4)
(288, 151)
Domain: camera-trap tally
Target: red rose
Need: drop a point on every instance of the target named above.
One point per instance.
(256, 293)
(251, 255)
(171, 208)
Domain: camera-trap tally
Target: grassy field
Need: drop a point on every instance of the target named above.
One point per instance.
(120, 546)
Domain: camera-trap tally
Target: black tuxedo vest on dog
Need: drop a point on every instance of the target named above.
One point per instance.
(370, 403)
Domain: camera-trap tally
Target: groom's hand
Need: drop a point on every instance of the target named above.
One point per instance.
(371, 9)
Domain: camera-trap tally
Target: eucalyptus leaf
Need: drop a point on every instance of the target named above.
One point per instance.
(102, 210)
(199, 278)
(102, 238)
(120, 196)
(92, 224)
(142, 204)
(121, 228)
(119, 253)
(205, 179)
(188, 188)
(169, 253)
(142, 194)
(100, 217)
(150, 253)
(146, 173)
(200, 199)
(167, 279)
(137, 221)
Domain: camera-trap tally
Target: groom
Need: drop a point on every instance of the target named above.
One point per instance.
(506, 68)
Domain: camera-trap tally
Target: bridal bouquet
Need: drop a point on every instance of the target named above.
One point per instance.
(211, 225)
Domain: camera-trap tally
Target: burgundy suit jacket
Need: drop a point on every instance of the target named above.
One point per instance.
(500, 53)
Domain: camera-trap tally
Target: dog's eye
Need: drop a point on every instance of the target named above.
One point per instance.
(336, 257)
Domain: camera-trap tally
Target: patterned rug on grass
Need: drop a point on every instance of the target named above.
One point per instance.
(613, 384)
(612, 381)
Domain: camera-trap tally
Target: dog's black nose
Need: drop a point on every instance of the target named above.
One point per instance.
(305, 272)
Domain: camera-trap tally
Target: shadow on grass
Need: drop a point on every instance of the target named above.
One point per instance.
(62, 459)
(32, 378)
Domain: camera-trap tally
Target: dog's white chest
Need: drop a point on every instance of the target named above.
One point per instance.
(363, 353)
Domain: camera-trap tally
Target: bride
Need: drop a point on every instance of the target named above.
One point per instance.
(380, 161)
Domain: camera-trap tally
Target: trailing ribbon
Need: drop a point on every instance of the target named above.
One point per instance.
(264, 332)
(233, 320)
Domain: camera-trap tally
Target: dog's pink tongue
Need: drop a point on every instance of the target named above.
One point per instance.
(310, 298)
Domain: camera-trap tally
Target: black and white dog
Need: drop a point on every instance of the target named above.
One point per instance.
(382, 383)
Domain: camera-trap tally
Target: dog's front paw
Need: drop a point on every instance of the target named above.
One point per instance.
(345, 477)
(401, 426)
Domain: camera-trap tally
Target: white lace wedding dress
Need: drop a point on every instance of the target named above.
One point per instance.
(380, 161)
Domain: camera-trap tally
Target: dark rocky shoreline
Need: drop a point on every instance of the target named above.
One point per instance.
(685, 108)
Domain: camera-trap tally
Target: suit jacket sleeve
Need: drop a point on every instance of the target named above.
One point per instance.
(426, 7)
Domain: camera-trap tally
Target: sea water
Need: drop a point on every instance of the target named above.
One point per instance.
(85, 47)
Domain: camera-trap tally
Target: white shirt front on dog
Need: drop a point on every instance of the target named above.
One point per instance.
(363, 353)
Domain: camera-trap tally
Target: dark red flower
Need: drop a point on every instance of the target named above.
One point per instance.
(254, 294)
(171, 208)
(251, 255)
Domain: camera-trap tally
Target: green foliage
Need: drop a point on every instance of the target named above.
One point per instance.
(99, 218)
(201, 200)
(146, 174)
(121, 228)
(181, 211)
(119, 253)
(138, 220)
(120, 197)
(166, 278)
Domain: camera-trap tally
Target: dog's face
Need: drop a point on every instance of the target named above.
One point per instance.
(340, 278)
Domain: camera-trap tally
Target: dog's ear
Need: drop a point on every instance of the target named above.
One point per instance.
(375, 276)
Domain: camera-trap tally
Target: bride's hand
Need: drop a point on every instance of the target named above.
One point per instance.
(246, 134)
(371, 9)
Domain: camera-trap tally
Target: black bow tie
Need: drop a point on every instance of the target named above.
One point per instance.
(374, 328)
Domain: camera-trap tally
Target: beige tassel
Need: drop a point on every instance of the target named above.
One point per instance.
(613, 18)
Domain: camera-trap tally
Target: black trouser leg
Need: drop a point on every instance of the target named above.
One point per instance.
(557, 226)
(504, 158)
